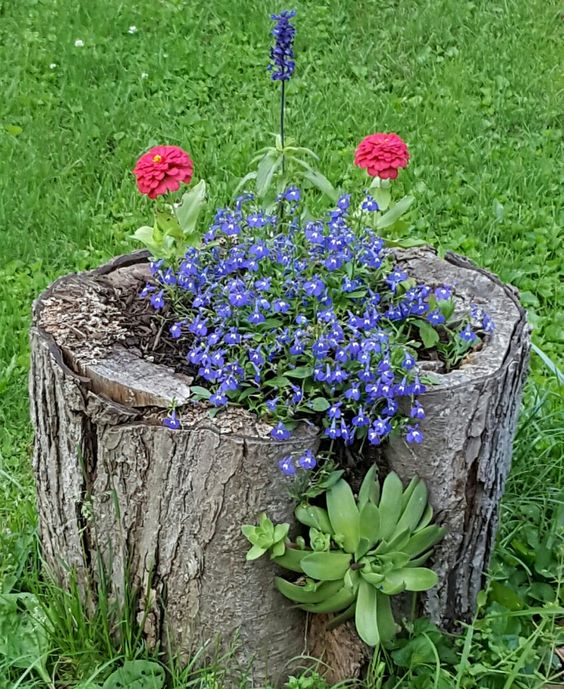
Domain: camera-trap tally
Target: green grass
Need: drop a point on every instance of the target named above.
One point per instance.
(471, 85)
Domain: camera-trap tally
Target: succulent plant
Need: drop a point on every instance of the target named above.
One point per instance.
(361, 552)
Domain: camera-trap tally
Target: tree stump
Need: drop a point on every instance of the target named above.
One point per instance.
(161, 510)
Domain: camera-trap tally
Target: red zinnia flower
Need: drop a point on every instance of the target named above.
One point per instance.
(382, 155)
(162, 169)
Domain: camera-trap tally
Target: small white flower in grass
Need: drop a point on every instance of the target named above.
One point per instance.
(79, 43)
(132, 29)
(144, 75)
(53, 65)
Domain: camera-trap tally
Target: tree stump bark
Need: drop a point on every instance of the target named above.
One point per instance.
(471, 417)
(161, 510)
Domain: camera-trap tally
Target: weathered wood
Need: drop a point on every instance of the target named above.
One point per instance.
(162, 509)
(471, 416)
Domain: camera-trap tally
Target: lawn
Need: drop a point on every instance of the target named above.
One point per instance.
(472, 86)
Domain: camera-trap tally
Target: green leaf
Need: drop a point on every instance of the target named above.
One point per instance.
(247, 178)
(426, 518)
(372, 578)
(314, 516)
(200, 392)
(395, 212)
(145, 235)
(421, 560)
(292, 559)
(408, 492)
(382, 197)
(299, 594)
(424, 539)
(249, 532)
(301, 149)
(390, 505)
(335, 603)
(326, 566)
(429, 335)
(168, 224)
(415, 507)
(319, 404)
(387, 627)
(322, 183)
(370, 524)
(278, 549)
(406, 243)
(255, 552)
(506, 596)
(396, 543)
(414, 578)
(136, 674)
(344, 515)
(190, 206)
(342, 617)
(278, 382)
(270, 162)
(23, 637)
(370, 488)
(299, 372)
(281, 531)
(366, 620)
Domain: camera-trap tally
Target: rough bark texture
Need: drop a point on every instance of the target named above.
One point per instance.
(162, 509)
(471, 415)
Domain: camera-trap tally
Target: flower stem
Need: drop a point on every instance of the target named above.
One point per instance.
(282, 108)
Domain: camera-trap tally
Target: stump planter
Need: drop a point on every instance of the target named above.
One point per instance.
(161, 510)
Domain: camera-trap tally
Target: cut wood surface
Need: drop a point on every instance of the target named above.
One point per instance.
(162, 509)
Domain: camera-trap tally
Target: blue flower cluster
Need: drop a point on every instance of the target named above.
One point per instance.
(282, 53)
(305, 320)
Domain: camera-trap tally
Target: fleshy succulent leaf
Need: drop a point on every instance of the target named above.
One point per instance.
(366, 620)
(369, 489)
(387, 627)
(292, 559)
(327, 566)
(255, 552)
(298, 594)
(370, 524)
(424, 539)
(340, 601)
(344, 515)
(414, 509)
(314, 516)
(390, 505)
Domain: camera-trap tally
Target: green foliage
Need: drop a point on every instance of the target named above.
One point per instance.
(175, 227)
(279, 165)
(361, 552)
(265, 537)
(136, 674)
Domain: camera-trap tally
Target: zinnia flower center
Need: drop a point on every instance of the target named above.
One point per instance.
(157, 158)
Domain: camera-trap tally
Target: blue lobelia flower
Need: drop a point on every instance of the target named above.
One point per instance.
(280, 432)
(287, 466)
(172, 421)
(414, 434)
(307, 461)
(467, 334)
(435, 317)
